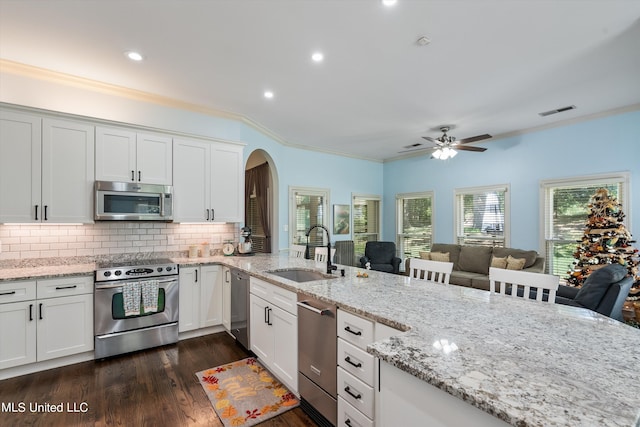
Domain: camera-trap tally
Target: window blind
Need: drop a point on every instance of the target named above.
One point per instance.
(481, 216)
(366, 222)
(414, 223)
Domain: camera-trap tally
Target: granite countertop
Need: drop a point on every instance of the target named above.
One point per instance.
(527, 363)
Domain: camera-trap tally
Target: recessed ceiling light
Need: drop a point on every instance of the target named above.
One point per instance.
(134, 56)
(268, 94)
(389, 3)
(317, 57)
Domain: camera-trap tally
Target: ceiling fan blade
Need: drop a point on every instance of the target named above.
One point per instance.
(428, 138)
(468, 148)
(411, 150)
(473, 139)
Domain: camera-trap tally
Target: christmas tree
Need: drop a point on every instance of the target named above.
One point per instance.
(606, 241)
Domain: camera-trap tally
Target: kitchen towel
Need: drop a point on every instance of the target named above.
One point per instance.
(131, 298)
(150, 296)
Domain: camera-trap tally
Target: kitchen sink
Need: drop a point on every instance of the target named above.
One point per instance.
(300, 274)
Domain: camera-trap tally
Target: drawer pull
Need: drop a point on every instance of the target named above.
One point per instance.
(8, 293)
(59, 288)
(30, 312)
(351, 331)
(355, 396)
(347, 422)
(348, 360)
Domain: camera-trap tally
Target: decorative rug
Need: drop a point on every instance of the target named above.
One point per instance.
(244, 393)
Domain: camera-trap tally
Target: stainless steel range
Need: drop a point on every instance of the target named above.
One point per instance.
(135, 306)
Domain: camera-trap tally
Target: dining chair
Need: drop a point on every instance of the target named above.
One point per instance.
(523, 284)
(434, 271)
(321, 254)
(297, 251)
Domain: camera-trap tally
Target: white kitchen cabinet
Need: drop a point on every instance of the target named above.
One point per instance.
(226, 298)
(128, 156)
(274, 330)
(52, 318)
(47, 169)
(200, 298)
(208, 180)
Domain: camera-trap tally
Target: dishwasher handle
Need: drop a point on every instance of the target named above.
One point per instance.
(320, 311)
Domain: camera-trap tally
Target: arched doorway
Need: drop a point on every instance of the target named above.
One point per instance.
(261, 201)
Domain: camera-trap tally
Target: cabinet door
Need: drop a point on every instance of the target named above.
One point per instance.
(65, 326)
(285, 347)
(227, 183)
(20, 169)
(226, 298)
(189, 305)
(210, 296)
(154, 159)
(191, 180)
(17, 334)
(261, 331)
(115, 155)
(67, 171)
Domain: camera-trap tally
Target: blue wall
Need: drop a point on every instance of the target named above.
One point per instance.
(604, 145)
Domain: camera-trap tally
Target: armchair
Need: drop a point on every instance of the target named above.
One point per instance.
(381, 256)
(604, 291)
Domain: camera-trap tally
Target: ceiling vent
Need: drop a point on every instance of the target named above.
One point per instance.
(558, 110)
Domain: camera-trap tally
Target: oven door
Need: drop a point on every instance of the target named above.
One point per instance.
(109, 312)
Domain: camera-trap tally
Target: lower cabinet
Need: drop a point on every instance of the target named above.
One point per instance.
(45, 319)
(274, 330)
(200, 297)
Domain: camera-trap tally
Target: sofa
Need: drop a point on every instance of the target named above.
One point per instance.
(471, 263)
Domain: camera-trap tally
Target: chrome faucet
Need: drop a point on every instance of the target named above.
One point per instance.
(330, 267)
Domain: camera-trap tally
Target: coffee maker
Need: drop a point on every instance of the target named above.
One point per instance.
(244, 246)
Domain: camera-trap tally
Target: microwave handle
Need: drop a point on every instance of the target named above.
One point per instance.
(162, 204)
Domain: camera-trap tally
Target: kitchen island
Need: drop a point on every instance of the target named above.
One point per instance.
(523, 362)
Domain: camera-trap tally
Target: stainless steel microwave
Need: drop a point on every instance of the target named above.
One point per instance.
(129, 201)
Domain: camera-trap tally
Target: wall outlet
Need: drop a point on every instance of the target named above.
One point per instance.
(285, 228)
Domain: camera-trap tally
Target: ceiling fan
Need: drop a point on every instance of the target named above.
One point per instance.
(446, 145)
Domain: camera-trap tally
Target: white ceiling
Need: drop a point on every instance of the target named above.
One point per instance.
(491, 66)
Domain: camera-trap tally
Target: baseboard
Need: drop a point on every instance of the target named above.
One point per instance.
(45, 365)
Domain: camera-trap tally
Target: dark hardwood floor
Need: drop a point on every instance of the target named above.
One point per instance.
(155, 387)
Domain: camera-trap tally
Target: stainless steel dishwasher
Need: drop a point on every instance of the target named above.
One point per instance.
(240, 306)
(317, 360)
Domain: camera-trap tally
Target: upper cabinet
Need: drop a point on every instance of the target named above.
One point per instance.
(128, 156)
(46, 169)
(208, 181)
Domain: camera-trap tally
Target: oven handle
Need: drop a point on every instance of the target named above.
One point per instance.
(120, 284)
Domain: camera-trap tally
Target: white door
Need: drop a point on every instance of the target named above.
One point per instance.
(261, 332)
(189, 305)
(67, 171)
(65, 326)
(20, 168)
(227, 183)
(210, 296)
(191, 180)
(154, 159)
(285, 347)
(115, 155)
(17, 334)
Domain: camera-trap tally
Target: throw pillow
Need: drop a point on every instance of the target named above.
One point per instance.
(439, 256)
(597, 284)
(530, 256)
(498, 262)
(515, 263)
(475, 259)
(425, 255)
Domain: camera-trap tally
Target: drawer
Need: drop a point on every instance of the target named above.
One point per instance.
(20, 290)
(283, 298)
(358, 394)
(66, 286)
(356, 361)
(354, 329)
(350, 416)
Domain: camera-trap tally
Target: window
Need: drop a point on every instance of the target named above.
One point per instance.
(414, 223)
(258, 236)
(482, 216)
(309, 206)
(564, 214)
(366, 221)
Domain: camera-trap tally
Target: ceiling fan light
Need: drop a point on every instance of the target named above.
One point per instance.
(452, 153)
(437, 154)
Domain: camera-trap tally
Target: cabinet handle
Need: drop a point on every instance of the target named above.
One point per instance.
(355, 396)
(139, 176)
(133, 176)
(269, 317)
(196, 276)
(8, 293)
(213, 214)
(207, 214)
(45, 212)
(347, 422)
(30, 312)
(351, 331)
(59, 288)
(36, 212)
(265, 314)
(40, 311)
(226, 275)
(348, 360)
